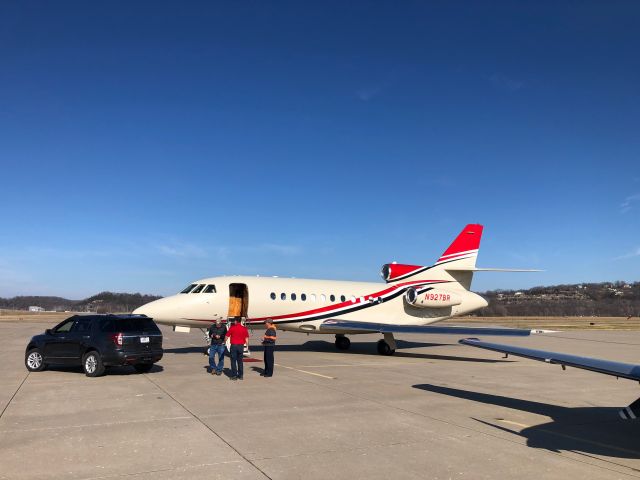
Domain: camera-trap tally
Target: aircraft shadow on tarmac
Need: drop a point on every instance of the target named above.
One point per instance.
(357, 348)
(582, 430)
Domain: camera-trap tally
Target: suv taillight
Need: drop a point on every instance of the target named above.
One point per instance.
(117, 339)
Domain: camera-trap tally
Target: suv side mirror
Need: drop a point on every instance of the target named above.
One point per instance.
(48, 331)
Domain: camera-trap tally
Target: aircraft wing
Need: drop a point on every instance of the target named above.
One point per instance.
(369, 327)
(617, 369)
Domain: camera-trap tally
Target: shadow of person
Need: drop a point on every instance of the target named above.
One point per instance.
(583, 430)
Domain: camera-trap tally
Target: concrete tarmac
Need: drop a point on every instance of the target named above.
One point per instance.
(435, 410)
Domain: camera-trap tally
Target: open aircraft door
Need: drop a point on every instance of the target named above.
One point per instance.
(239, 304)
(238, 300)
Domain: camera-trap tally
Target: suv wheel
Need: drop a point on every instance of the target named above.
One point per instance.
(143, 367)
(34, 361)
(92, 364)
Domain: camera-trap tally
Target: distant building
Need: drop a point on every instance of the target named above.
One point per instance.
(36, 309)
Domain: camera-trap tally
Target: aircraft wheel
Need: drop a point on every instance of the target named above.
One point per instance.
(342, 342)
(384, 348)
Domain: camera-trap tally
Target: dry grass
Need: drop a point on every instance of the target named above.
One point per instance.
(33, 317)
(546, 323)
(555, 323)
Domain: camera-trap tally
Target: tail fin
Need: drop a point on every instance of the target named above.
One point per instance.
(455, 265)
(462, 253)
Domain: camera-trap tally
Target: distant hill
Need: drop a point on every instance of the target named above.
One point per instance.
(617, 299)
(105, 302)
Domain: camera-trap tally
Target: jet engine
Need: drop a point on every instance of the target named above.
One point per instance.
(395, 271)
(433, 298)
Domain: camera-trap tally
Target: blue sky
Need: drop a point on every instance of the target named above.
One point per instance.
(143, 145)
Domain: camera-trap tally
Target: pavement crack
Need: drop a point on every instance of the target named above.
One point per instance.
(14, 394)
(480, 432)
(208, 427)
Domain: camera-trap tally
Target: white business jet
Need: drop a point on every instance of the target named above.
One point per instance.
(413, 298)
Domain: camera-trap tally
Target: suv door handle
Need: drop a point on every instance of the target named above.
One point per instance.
(86, 337)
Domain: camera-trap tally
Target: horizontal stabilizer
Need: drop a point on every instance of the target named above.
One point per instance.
(368, 327)
(607, 367)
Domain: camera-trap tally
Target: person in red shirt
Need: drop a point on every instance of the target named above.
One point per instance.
(238, 334)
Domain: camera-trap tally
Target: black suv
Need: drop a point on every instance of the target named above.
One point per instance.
(96, 342)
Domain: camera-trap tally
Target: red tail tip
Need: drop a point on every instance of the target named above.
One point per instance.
(468, 240)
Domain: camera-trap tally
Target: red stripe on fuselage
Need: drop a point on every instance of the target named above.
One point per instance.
(341, 305)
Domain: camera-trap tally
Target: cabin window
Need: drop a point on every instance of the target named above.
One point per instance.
(342, 298)
(188, 289)
(293, 297)
(198, 289)
(273, 296)
(209, 289)
(283, 296)
(323, 297)
(332, 298)
(303, 297)
(312, 297)
(353, 299)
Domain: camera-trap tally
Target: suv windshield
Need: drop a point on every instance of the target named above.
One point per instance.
(126, 325)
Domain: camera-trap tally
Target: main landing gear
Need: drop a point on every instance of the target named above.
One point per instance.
(387, 346)
(342, 342)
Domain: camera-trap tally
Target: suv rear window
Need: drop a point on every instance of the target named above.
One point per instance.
(125, 325)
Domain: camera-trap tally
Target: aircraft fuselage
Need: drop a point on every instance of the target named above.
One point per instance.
(302, 305)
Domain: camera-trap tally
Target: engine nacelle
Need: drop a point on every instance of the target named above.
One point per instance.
(433, 298)
(396, 271)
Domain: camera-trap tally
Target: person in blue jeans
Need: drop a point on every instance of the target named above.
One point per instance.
(238, 334)
(217, 333)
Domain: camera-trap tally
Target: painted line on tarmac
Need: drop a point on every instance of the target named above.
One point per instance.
(305, 371)
(515, 423)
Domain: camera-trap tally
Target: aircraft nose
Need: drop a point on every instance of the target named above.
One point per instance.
(159, 310)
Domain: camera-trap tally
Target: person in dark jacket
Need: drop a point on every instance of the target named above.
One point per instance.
(269, 343)
(217, 333)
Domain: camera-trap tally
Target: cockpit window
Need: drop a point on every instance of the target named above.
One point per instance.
(209, 289)
(188, 289)
(198, 289)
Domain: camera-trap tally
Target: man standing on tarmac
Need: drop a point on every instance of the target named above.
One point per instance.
(217, 332)
(269, 343)
(238, 334)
